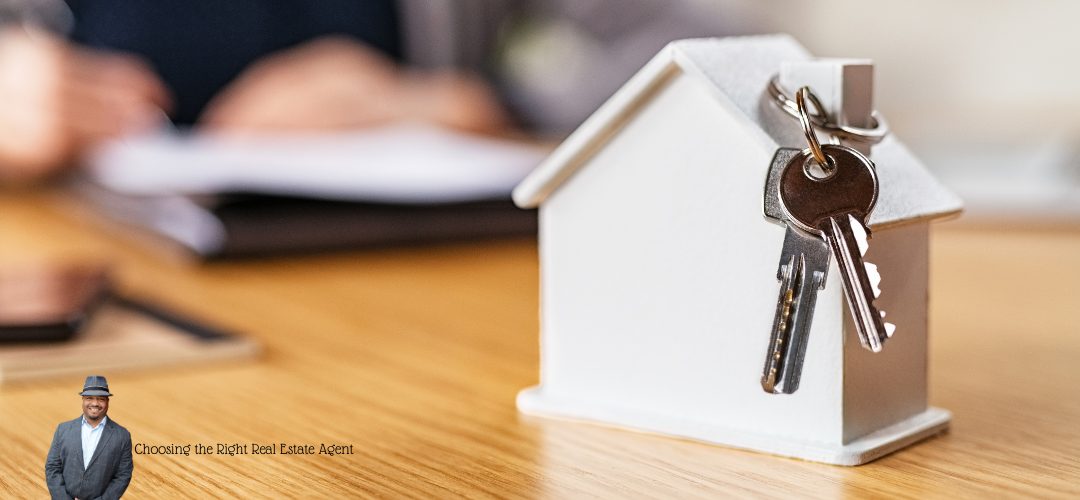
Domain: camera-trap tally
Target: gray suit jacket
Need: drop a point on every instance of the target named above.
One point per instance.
(109, 471)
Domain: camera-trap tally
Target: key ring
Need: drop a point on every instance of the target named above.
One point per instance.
(801, 97)
(871, 135)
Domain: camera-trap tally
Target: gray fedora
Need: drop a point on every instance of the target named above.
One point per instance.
(95, 385)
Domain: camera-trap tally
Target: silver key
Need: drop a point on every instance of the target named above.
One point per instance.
(804, 264)
(836, 207)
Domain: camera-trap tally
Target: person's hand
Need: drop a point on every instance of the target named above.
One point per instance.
(59, 99)
(335, 83)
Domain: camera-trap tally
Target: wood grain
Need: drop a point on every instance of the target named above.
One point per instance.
(414, 356)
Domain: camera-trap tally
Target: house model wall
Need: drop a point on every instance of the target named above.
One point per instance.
(658, 270)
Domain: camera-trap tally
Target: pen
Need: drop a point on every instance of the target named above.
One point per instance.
(203, 332)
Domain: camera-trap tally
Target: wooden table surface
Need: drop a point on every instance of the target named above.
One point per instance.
(414, 356)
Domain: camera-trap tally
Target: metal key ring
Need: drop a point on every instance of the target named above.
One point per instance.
(808, 129)
(871, 135)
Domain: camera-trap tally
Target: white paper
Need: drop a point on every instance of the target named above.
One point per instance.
(400, 164)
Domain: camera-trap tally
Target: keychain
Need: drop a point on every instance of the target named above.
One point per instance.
(823, 195)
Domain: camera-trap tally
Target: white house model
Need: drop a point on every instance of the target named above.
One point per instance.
(658, 269)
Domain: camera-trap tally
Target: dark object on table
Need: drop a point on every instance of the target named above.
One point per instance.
(240, 225)
(48, 303)
(62, 319)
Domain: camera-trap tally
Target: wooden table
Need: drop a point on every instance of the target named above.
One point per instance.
(414, 356)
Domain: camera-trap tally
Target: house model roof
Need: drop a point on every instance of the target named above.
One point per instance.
(737, 71)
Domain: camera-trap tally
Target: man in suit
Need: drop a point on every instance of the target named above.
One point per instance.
(90, 456)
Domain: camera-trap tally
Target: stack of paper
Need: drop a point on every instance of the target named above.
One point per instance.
(401, 164)
(242, 195)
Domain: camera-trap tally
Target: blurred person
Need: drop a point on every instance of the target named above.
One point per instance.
(483, 66)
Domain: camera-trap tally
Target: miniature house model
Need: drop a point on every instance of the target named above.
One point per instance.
(658, 269)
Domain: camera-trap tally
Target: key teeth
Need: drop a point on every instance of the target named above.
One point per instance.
(875, 278)
(875, 284)
(889, 327)
(861, 233)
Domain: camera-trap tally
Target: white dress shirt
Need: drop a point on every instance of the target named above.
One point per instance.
(90, 438)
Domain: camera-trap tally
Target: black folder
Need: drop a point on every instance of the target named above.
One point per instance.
(242, 225)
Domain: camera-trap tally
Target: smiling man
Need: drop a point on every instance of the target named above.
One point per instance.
(90, 456)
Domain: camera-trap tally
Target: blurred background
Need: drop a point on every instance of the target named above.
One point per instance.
(984, 93)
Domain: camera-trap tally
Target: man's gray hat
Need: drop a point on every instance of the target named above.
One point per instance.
(95, 385)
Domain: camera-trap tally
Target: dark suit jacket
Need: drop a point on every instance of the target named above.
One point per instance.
(109, 471)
